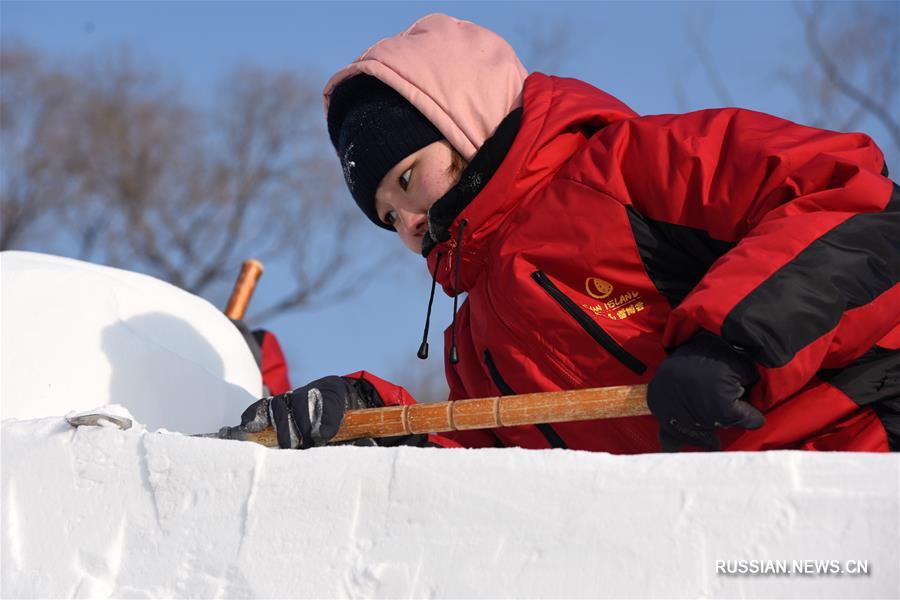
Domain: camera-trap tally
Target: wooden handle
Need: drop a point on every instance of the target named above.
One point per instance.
(251, 271)
(483, 413)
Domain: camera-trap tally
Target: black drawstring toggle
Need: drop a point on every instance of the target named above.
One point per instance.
(423, 349)
(454, 355)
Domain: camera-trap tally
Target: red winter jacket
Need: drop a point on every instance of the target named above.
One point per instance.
(591, 240)
(272, 365)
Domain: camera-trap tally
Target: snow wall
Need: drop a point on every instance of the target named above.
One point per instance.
(98, 512)
(75, 335)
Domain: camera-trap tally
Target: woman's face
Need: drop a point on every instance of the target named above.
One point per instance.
(409, 189)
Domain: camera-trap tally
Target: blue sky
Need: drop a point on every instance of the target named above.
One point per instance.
(631, 49)
(636, 51)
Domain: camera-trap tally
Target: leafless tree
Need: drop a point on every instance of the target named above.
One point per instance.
(544, 47)
(33, 109)
(850, 80)
(129, 174)
(853, 79)
(696, 41)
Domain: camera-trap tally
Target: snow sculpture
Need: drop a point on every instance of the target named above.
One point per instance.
(76, 335)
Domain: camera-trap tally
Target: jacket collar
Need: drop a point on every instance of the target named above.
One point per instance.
(472, 180)
(557, 118)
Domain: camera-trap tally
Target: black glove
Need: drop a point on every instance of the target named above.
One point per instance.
(699, 387)
(310, 415)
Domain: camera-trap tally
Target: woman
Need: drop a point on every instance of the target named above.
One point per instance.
(743, 265)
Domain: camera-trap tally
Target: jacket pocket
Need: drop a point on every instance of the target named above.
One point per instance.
(546, 430)
(590, 325)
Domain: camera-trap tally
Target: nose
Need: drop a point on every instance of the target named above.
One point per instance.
(415, 223)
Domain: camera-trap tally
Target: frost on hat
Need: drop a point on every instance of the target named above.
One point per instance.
(372, 127)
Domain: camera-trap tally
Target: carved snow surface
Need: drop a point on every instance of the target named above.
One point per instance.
(76, 335)
(101, 512)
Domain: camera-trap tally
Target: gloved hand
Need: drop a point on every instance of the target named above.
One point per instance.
(700, 387)
(310, 415)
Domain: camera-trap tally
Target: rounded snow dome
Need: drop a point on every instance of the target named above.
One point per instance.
(75, 336)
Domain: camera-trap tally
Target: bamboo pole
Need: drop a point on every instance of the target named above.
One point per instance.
(251, 271)
(478, 413)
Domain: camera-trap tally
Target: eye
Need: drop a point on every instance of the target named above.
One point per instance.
(390, 217)
(403, 180)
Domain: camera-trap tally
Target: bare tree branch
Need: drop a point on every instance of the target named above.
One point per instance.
(697, 43)
(866, 101)
(852, 79)
(131, 175)
(33, 107)
(545, 46)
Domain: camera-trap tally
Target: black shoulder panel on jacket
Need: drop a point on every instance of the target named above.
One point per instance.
(676, 257)
(849, 266)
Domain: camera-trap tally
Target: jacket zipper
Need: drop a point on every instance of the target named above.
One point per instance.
(590, 325)
(549, 433)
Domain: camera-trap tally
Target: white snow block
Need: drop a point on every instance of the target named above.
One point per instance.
(76, 335)
(105, 513)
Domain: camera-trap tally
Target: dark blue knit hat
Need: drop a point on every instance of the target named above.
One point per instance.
(373, 127)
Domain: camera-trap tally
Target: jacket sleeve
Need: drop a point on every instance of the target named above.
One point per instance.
(394, 395)
(807, 222)
(273, 365)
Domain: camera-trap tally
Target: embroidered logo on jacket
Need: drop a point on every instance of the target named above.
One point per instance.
(618, 307)
(598, 288)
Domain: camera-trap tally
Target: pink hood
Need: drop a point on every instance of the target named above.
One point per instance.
(464, 78)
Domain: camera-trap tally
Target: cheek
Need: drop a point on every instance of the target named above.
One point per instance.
(411, 241)
(434, 185)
